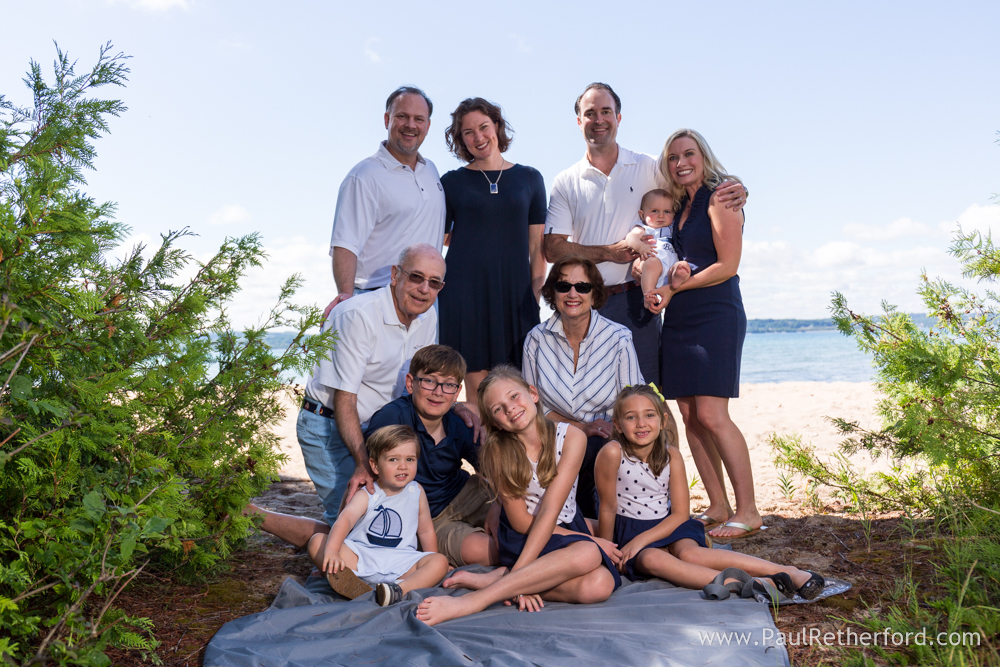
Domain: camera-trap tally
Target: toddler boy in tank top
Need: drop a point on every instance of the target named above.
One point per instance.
(660, 265)
(374, 541)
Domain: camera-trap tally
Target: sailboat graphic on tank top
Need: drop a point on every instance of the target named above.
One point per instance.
(386, 529)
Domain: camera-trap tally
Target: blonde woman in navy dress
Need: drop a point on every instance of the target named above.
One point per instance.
(644, 509)
(701, 343)
(546, 547)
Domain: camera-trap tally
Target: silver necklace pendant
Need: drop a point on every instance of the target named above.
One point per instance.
(494, 188)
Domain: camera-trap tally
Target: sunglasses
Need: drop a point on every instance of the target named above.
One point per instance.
(419, 278)
(581, 288)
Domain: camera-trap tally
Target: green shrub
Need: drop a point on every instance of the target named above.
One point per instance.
(940, 410)
(134, 422)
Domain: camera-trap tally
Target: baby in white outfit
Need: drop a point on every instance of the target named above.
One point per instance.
(660, 265)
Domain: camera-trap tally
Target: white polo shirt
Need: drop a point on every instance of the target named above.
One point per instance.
(384, 206)
(594, 209)
(373, 352)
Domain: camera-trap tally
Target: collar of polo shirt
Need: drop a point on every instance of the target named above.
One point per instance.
(389, 162)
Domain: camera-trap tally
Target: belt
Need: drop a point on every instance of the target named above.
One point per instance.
(317, 408)
(623, 287)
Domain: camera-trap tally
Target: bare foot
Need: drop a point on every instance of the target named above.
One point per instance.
(723, 531)
(679, 274)
(472, 580)
(651, 300)
(439, 609)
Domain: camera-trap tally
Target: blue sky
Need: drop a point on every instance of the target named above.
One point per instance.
(863, 131)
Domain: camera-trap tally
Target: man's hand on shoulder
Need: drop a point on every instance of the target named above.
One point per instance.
(732, 193)
(471, 420)
(343, 296)
(362, 477)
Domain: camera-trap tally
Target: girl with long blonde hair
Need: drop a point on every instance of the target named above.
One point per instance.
(547, 551)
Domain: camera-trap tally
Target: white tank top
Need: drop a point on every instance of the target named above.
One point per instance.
(640, 494)
(391, 521)
(533, 496)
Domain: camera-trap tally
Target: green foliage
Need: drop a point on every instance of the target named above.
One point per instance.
(960, 626)
(787, 485)
(941, 408)
(941, 386)
(134, 422)
(940, 416)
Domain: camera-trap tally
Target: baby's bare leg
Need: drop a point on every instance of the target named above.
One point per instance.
(428, 571)
(651, 270)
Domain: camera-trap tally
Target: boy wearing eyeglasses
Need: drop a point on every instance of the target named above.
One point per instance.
(459, 502)
(660, 265)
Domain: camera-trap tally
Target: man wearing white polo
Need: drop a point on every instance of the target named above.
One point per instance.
(596, 202)
(378, 332)
(388, 201)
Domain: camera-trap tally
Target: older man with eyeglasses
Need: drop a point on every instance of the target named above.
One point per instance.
(378, 333)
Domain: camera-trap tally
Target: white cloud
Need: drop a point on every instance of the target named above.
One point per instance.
(370, 52)
(520, 43)
(868, 265)
(154, 5)
(985, 219)
(901, 228)
(229, 215)
(836, 253)
(285, 256)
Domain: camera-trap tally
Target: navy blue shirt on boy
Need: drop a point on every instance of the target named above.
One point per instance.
(439, 469)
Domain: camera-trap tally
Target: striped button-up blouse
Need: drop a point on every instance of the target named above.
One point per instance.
(607, 364)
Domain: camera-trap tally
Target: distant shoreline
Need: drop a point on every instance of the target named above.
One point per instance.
(281, 339)
(788, 326)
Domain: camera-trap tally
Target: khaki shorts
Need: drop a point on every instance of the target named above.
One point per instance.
(464, 515)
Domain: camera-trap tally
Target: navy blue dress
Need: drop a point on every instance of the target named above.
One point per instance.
(701, 344)
(486, 308)
(511, 543)
(627, 528)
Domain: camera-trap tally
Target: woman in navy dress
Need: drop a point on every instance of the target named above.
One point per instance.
(495, 215)
(703, 330)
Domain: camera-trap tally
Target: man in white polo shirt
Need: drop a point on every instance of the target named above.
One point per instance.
(596, 201)
(388, 201)
(377, 333)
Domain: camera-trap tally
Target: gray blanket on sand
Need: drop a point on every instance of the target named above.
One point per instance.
(643, 623)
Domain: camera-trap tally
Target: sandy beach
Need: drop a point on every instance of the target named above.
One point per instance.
(761, 410)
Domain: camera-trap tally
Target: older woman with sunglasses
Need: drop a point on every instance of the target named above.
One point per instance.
(579, 360)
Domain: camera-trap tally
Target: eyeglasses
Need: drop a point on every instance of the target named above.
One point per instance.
(581, 288)
(419, 278)
(430, 384)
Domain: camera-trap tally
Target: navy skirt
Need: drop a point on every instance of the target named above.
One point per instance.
(626, 529)
(512, 542)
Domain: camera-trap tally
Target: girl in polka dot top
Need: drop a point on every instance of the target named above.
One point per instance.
(645, 508)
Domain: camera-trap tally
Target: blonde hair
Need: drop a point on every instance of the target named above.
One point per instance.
(502, 458)
(715, 173)
(659, 456)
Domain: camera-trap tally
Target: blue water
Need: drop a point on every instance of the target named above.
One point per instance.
(816, 356)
